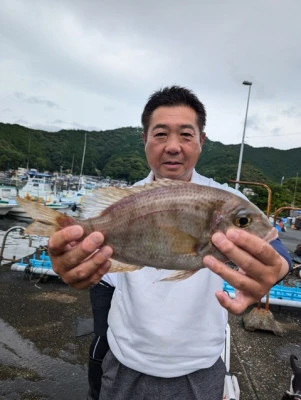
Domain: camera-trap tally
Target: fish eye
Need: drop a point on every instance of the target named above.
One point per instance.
(242, 222)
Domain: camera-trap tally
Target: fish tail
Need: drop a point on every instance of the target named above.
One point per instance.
(46, 220)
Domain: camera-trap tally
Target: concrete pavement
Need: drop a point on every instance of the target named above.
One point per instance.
(42, 358)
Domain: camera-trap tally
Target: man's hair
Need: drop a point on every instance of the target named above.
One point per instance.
(170, 97)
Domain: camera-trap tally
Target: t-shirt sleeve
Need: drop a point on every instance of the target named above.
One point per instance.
(111, 279)
(279, 247)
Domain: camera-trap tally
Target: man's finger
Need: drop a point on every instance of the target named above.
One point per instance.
(253, 259)
(254, 245)
(79, 278)
(235, 306)
(237, 279)
(59, 240)
(77, 254)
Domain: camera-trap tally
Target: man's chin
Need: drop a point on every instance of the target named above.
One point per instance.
(174, 174)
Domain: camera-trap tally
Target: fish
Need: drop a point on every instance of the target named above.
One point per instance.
(167, 224)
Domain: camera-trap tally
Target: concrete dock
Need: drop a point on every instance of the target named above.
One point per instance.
(41, 356)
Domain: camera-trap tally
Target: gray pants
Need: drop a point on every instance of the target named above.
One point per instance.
(122, 383)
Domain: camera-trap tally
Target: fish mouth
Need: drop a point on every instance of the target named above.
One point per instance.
(271, 235)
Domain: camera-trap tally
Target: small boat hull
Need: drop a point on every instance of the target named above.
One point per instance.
(5, 208)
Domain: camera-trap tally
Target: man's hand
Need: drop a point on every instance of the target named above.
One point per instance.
(79, 263)
(260, 267)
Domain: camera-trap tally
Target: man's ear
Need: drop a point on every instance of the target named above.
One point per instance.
(202, 138)
(144, 138)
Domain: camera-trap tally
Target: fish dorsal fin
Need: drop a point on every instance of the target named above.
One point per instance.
(46, 220)
(94, 203)
(40, 229)
(38, 211)
(97, 201)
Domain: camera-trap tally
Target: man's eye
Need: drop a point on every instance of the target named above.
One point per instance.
(186, 134)
(160, 134)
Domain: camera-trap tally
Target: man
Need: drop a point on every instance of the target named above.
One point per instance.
(100, 296)
(166, 338)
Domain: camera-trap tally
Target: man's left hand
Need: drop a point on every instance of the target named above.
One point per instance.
(260, 267)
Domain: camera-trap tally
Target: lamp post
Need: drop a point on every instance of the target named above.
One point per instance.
(247, 83)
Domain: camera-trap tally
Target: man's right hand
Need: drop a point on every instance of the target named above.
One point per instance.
(80, 263)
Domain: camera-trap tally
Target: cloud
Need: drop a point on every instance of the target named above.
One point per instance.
(36, 100)
(57, 125)
(292, 111)
(95, 63)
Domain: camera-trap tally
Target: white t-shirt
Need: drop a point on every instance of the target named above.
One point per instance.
(167, 329)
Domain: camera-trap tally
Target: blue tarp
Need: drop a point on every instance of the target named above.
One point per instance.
(277, 292)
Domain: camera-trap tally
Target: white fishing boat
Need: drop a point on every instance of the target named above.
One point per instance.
(18, 212)
(13, 208)
(71, 197)
(57, 206)
(7, 192)
(5, 208)
(39, 186)
(7, 202)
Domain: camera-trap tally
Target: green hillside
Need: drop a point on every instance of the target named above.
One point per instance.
(119, 153)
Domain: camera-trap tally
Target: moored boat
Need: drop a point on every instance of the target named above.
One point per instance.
(5, 208)
(39, 186)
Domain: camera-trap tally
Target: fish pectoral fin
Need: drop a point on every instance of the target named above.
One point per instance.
(204, 248)
(117, 266)
(180, 275)
(181, 242)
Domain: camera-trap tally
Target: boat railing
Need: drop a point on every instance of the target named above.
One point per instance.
(14, 228)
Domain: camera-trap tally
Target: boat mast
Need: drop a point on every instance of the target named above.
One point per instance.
(28, 152)
(83, 159)
(71, 172)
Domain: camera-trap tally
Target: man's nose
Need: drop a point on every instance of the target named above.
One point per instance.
(173, 144)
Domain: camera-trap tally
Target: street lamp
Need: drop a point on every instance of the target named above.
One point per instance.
(247, 83)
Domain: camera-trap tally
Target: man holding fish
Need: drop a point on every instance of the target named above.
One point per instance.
(167, 328)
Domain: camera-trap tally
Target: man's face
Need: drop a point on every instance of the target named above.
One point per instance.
(173, 142)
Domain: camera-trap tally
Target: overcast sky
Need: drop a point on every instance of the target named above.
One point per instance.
(92, 64)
